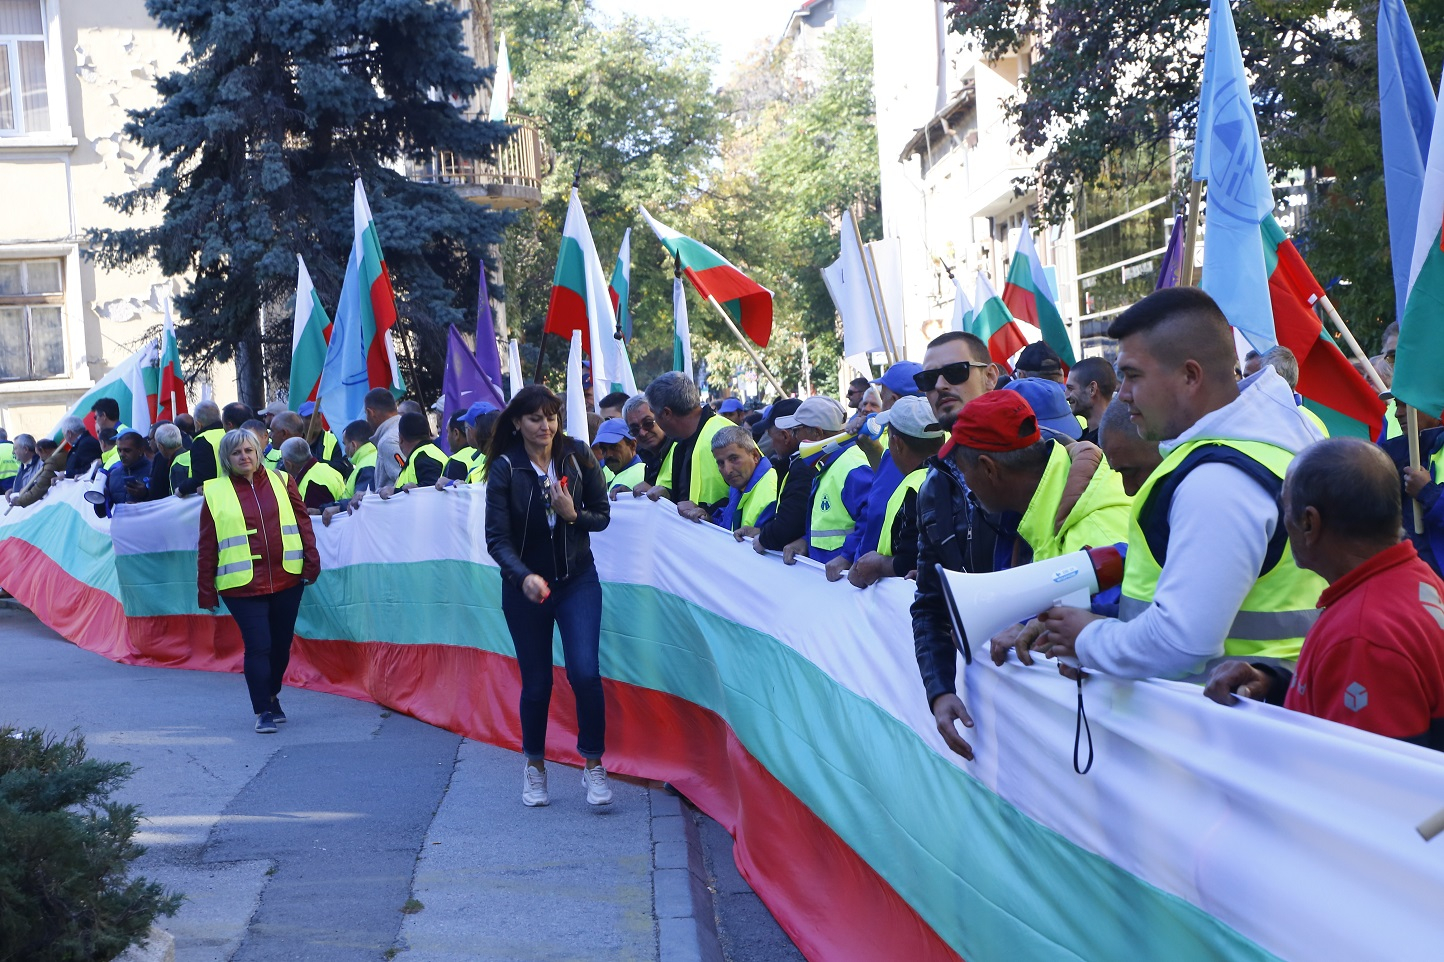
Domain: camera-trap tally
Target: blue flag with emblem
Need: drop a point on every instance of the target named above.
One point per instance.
(1229, 155)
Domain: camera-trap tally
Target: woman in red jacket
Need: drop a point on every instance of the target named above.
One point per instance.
(256, 551)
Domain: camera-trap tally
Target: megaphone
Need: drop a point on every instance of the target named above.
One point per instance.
(809, 449)
(981, 605)
(95, 494)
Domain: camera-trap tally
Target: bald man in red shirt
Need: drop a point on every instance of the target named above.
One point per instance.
(1375, 658)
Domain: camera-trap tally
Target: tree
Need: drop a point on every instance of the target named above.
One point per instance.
(279, 106)
(1120, 79)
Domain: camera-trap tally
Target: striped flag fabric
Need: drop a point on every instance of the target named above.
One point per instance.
(620, 287)
(962, 308)
(681, 330)
(1418, 377)
(126, 383)
(1406, 119)
(310, 333)
(579, 300)
(995, 325)
(576, 412)
(748, 303)
(1030, 297)
(171, 396)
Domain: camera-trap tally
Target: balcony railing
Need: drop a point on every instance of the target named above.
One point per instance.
(513, 179)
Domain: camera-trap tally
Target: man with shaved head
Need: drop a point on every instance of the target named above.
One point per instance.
(1375, 658)
(1209, 571)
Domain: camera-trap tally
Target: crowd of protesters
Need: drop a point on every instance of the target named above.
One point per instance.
(1262, 559)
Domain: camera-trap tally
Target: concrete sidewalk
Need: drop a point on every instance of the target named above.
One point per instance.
(356, 833)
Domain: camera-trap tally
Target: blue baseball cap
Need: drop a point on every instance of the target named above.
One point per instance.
(730, 405)
(307, 409)
(899, 379)
(477, 410)
(611, 431)
(1049, 403)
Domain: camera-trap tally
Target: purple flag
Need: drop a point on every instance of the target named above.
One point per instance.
(488, 358)
(1172, 257)
(463, 385)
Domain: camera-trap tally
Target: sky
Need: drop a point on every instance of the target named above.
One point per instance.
(736, 25)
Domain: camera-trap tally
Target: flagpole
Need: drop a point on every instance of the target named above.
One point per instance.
(1353, 344)
(731, 326)
(1190, 235)
(1412, 416)
(872, 291)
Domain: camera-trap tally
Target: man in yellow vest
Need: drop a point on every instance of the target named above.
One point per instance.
(423, 461)
(108, 454)
(840, 490)
(463, 456)
(913, 436)
(362, 455)
(284, 426)
(689, 476)
(1209, 571)
(9, 462)
(750, 476)
(318, 483)
(616, 449)
(201, 457)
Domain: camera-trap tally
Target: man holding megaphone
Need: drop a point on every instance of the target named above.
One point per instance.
(1209, 571)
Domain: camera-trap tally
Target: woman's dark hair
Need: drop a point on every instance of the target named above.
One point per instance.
(529, 400)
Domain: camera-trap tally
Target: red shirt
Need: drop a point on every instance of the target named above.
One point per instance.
(1375, 657)
(263, 515)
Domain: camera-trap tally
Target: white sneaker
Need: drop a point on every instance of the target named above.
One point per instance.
(534, 786)
(595, 781)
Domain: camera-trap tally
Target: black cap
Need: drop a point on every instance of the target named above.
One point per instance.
(1040, 358)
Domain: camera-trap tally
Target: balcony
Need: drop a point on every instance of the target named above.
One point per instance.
(511, 182)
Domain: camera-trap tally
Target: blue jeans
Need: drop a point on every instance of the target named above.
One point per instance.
(267, 623)
(575, 608)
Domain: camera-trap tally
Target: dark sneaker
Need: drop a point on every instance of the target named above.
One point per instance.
(277, 715)
(266, 723)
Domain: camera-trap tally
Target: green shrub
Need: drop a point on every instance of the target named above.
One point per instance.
(65, 849)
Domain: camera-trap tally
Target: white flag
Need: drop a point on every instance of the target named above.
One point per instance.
(576, 394)
(847, 282)
(503, 86)
(682, 333)
(513, 363)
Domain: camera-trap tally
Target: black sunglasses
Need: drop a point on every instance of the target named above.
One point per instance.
(646, 424)
(955, 373)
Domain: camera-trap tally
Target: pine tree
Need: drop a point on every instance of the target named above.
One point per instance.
(278, 106)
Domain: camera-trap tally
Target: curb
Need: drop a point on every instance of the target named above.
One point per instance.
(681, 897)
(159, 946)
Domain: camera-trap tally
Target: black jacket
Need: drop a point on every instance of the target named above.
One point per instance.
(517, 536)
(954, 532)
(83, 453)
(203, 461)
(794, 504)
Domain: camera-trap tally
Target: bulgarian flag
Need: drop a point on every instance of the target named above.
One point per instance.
(126, 382)
(1418, 374)
(1030, 297)
(171, 396)
(621, 286)
(995, 325)
(962, 308)
(377, 301)
(748, 303)
(1336, 392)
(580, 301)
(310, 333)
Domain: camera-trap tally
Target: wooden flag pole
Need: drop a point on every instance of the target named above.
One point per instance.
(1353, 344)
(1414, 462)
(872, 293)
(882, 303)
(741, 339)
(1190, 235)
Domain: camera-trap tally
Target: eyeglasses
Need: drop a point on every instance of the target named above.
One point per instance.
(1389, 356)
(955, 373)
(642, 427)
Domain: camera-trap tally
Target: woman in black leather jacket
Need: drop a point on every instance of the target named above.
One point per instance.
(544, 495)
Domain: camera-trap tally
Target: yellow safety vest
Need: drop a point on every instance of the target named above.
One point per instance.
(272, 459)
(911, 482)
(327, 477)
(831, 523)
(477, 473)
(9, 467)
(1280, 607)
(365, 457)
(466, 457)
(408, 473)
(706, 485)
(1318, 421)
(1391, 421)
(213, 436)
(234, 561)
(629, 477)
(752, 503)
(107, 458)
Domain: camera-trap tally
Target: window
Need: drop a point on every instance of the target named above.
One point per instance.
(32, 319)
(24, 99)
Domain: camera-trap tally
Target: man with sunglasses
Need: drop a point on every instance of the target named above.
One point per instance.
(952, 529)
(652, 443)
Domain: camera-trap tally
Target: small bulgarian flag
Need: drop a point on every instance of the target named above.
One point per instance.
(1030, 297)
(746, 301)
(1336, 392)
(171, 395)
(310, 333)
(995, 325)
(378, 300)
(621, 286)
(580, 301)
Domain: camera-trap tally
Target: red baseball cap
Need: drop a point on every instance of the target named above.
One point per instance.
(995, 421)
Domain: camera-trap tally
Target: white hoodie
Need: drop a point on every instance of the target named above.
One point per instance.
(1220, 524)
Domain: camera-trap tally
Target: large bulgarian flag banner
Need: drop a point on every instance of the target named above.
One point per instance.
(132, 384)
(1418, 372)
(1202, 833)
(580, 299)
(310, 333)
(171, 395)
(747, 302)
(1030, 296)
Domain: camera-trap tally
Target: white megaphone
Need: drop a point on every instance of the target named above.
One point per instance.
(95, 494)
(983, 605)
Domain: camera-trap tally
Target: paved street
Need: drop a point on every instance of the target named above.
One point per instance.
(357, 833)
